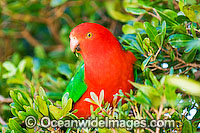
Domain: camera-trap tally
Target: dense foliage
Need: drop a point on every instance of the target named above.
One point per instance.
(36, 63)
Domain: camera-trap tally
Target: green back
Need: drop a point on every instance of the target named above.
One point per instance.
(77, 86)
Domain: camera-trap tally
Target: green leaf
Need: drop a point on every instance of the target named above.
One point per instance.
(193, 31)
(140, 42)
(172, 14)
(55, 3)
(170, 4)
(133, 45)
(181, 19)
(31, 111)
(56, 112)
(15, 80)
(16, 106)
(67, 107)
(10, 67)
(145, 62)
(39, 52)
(187, 85)
(42, 105)
(42, 94)
(158, 39)
(128, 29)
(135, 11)
(187, 126)
(154, 80)
(14, 125)
(170, 94)
(64, 69)
(110, 7)
(192, 12)
(15, 100)
(193, 44)
(171, 71)
(26, 97)
(22, 66)
(168, 20)
(142, 99)
(150, 30)
(22, 115)
(179, 29)
(14, 112)
(65, 99)
(150, 92)
(21, 99)
(189, 57)
(163, 32)
(179, 40)
(77, 86)
(146, 44)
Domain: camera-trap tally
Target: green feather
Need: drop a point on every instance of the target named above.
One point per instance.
(77, 87)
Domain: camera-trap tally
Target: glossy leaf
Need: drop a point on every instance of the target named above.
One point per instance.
(67, 107)
(110, 6)
(65, 99)
(163, 32)
(42, 106)
(14, 125)
(135, 11)
(192, 12)
(167, 19)
(150, 92)
(15, 100)
(42, 94)
(22, 65)
(128, 29)
(10, 67)
(189, 57)
(179, 40)
(154, 80)
(150, 30)
(187, 127)
(145, 62)
(56, 112)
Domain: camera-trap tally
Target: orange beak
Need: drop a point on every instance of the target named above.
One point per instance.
(74, 44)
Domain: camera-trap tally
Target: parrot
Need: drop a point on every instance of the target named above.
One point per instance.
(107, 66)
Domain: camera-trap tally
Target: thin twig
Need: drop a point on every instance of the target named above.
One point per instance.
(159, 18)
(30, 38)
(150, 130)
(149, 114)
(157, 53)
(2, 122)
(185, 71)
(5, 100)
(158, 116)
(182, 61)
(194, 29)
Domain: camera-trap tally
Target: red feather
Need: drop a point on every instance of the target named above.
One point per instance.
(107, 65)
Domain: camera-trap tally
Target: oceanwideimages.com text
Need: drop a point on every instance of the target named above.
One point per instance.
(129, 124)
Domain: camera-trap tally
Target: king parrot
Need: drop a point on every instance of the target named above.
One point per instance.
(106, 66)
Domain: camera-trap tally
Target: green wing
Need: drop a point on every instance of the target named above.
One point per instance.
(77, 86)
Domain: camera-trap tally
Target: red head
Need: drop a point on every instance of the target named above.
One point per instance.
(89, 38)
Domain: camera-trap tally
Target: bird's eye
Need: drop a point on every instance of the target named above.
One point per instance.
(89, 35)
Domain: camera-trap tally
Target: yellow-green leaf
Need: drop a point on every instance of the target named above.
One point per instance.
(56, 112)
(42, 105)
